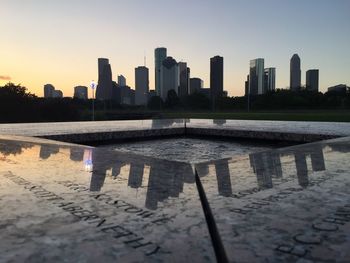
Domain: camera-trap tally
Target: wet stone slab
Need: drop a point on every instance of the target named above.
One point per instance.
(286, 205)
(67, 202)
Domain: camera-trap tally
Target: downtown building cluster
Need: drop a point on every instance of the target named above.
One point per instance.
(170, 75)
(262, 80)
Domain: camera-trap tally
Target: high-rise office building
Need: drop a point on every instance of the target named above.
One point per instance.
(196, 84)
(121, 80)
(295, 72)
(312, 80)
(216, 77)
(104, 87)
(184, 79)
(256, 77)
(269, 79)
(159, 55)
(169, 78)
(141, 85)
(48, 90)
(81, 92)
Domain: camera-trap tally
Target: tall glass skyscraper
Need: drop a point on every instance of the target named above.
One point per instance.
(160, 55)
(104, 87)
(295, 72)
(256, 77)
(216, 77)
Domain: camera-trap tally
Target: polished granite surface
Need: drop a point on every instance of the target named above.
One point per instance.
(64, 202)
(54, 128)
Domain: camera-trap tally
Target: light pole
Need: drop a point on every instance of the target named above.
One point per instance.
(93, 86)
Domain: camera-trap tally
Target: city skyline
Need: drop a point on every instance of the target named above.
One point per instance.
(34, 54)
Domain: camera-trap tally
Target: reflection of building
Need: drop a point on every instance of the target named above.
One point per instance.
(11, 148)
(47, 150)
(76, 154)
(317, 159)
(166, 179)
(263, 168)
(135, 175)
(223, 178)
(219, 121)
(300, 162)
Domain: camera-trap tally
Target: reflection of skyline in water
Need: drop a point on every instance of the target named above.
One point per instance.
(166, 179)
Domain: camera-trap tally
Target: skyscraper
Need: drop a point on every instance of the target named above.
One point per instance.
(159, 55)
(121, 80)
(216, 77)
(269, 79)
(184, 79)
(141, 85)
(312, 80)
(295, 72)
(104, 87)
(256, 77)
(169, 78)
(48, 90)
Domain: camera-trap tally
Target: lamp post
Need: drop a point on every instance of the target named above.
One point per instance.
(93, 86)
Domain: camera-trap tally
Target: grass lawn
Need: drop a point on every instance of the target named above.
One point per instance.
(321, 115)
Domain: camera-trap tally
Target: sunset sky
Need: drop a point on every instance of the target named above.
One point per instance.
(58, 42)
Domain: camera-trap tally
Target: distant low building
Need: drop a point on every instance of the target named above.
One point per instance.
(312, 80)
(57, 94)
(341, 88)
(81, 92)
(48, 90)
(196, 84)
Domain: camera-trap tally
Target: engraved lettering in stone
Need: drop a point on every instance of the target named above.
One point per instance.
(308, 239)
(239, 211)
(145, 214)
(137, 242)
(292, 250)
(334, 220)
(325, 227)
(133, 210)
(154, 251)
(72, 208)
(64, 204)
(161, 221)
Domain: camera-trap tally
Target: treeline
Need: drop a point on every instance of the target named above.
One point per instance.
(18, 105)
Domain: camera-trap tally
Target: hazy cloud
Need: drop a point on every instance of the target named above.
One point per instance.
(5, 77)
